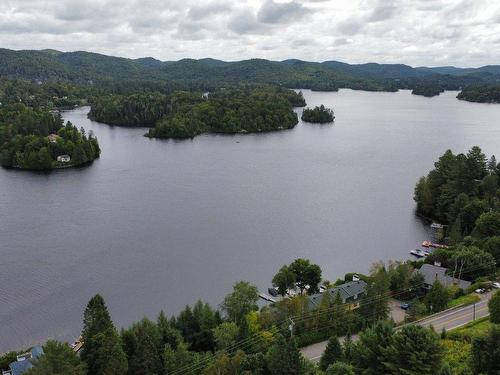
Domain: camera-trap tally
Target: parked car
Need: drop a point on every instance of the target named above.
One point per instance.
(405, 306)
(480, 290)
(495, 285)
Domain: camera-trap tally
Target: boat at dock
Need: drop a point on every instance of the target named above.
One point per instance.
(435, 245)
(267, 297)
(418, 253)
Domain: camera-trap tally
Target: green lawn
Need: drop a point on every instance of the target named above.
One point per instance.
(468, 299)
(470, 330)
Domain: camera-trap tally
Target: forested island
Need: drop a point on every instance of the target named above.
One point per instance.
(427, 90)
(319, 115)
(481, 94)
(37, 139)
(250, 110)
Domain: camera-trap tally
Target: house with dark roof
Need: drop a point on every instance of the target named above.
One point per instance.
(349, 292)
(24, 362)
(432, 273)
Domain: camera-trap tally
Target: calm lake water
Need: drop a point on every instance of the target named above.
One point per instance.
(157, 224)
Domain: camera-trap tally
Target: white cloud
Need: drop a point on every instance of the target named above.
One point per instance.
(416, 32)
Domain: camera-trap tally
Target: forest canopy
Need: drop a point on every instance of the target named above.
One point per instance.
(34, 138)
(320, 115)
(246, 110)
(481, 94)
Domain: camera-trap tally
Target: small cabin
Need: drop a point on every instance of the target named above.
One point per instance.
(64, 158)
(52, 138)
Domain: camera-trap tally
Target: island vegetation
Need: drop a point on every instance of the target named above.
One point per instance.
(319, 115)
(428, 90)
(247, 110)
(481, 94)
(34, 138)
(183, 114)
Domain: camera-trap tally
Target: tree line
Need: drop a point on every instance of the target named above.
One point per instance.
(480, 93)
(463, 193)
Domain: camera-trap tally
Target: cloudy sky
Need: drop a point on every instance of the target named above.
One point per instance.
(415, 32)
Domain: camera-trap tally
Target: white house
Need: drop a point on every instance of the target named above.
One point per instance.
(63, 158)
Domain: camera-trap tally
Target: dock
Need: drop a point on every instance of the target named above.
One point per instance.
(267, 297)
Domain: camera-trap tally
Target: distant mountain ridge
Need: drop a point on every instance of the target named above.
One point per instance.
(89, 67)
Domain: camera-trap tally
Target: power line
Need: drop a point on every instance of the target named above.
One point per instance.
(297, 319)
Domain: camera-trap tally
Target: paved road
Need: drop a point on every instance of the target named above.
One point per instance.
(448, 320)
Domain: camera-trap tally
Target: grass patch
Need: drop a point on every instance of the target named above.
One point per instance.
(477, 328)
(468, 299)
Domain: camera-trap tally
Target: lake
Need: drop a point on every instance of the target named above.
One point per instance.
(157, 224)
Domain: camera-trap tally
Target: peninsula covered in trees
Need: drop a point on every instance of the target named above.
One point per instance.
(35, 138)
(463, 193)
(320, 115)
(481, 94)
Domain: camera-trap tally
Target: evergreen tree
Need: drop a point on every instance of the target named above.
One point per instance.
(437, 298)
(368, 354)
(169, 335)
(57, 359)
(347, 347)
(110, 359)
(414, 350)
(333, 353)
(283, 358)
(375, 305)
(147, 361)
(340, 368)
(494, 308)
(100, 339)
(486, 353)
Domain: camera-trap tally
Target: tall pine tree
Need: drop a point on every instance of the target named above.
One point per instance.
(101, 343)
(333, 353)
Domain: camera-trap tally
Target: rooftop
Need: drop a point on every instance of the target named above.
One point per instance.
(432, 273)
(349, 290)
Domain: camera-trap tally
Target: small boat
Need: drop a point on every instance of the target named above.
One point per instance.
(273, 292)
(437, 226)
(418, 253)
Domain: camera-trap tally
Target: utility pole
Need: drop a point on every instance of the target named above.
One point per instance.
(290, 327)
(461, 265)
(474, 311)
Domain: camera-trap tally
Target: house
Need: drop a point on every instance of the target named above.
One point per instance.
(433, 272)
(24, 362)
(52, 138)
(63, 158)
(350, 292)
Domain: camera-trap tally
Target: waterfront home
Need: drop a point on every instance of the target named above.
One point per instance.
(52, 138)
(433, 272)
(24, 362)
(63, 158)
(349, 292)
